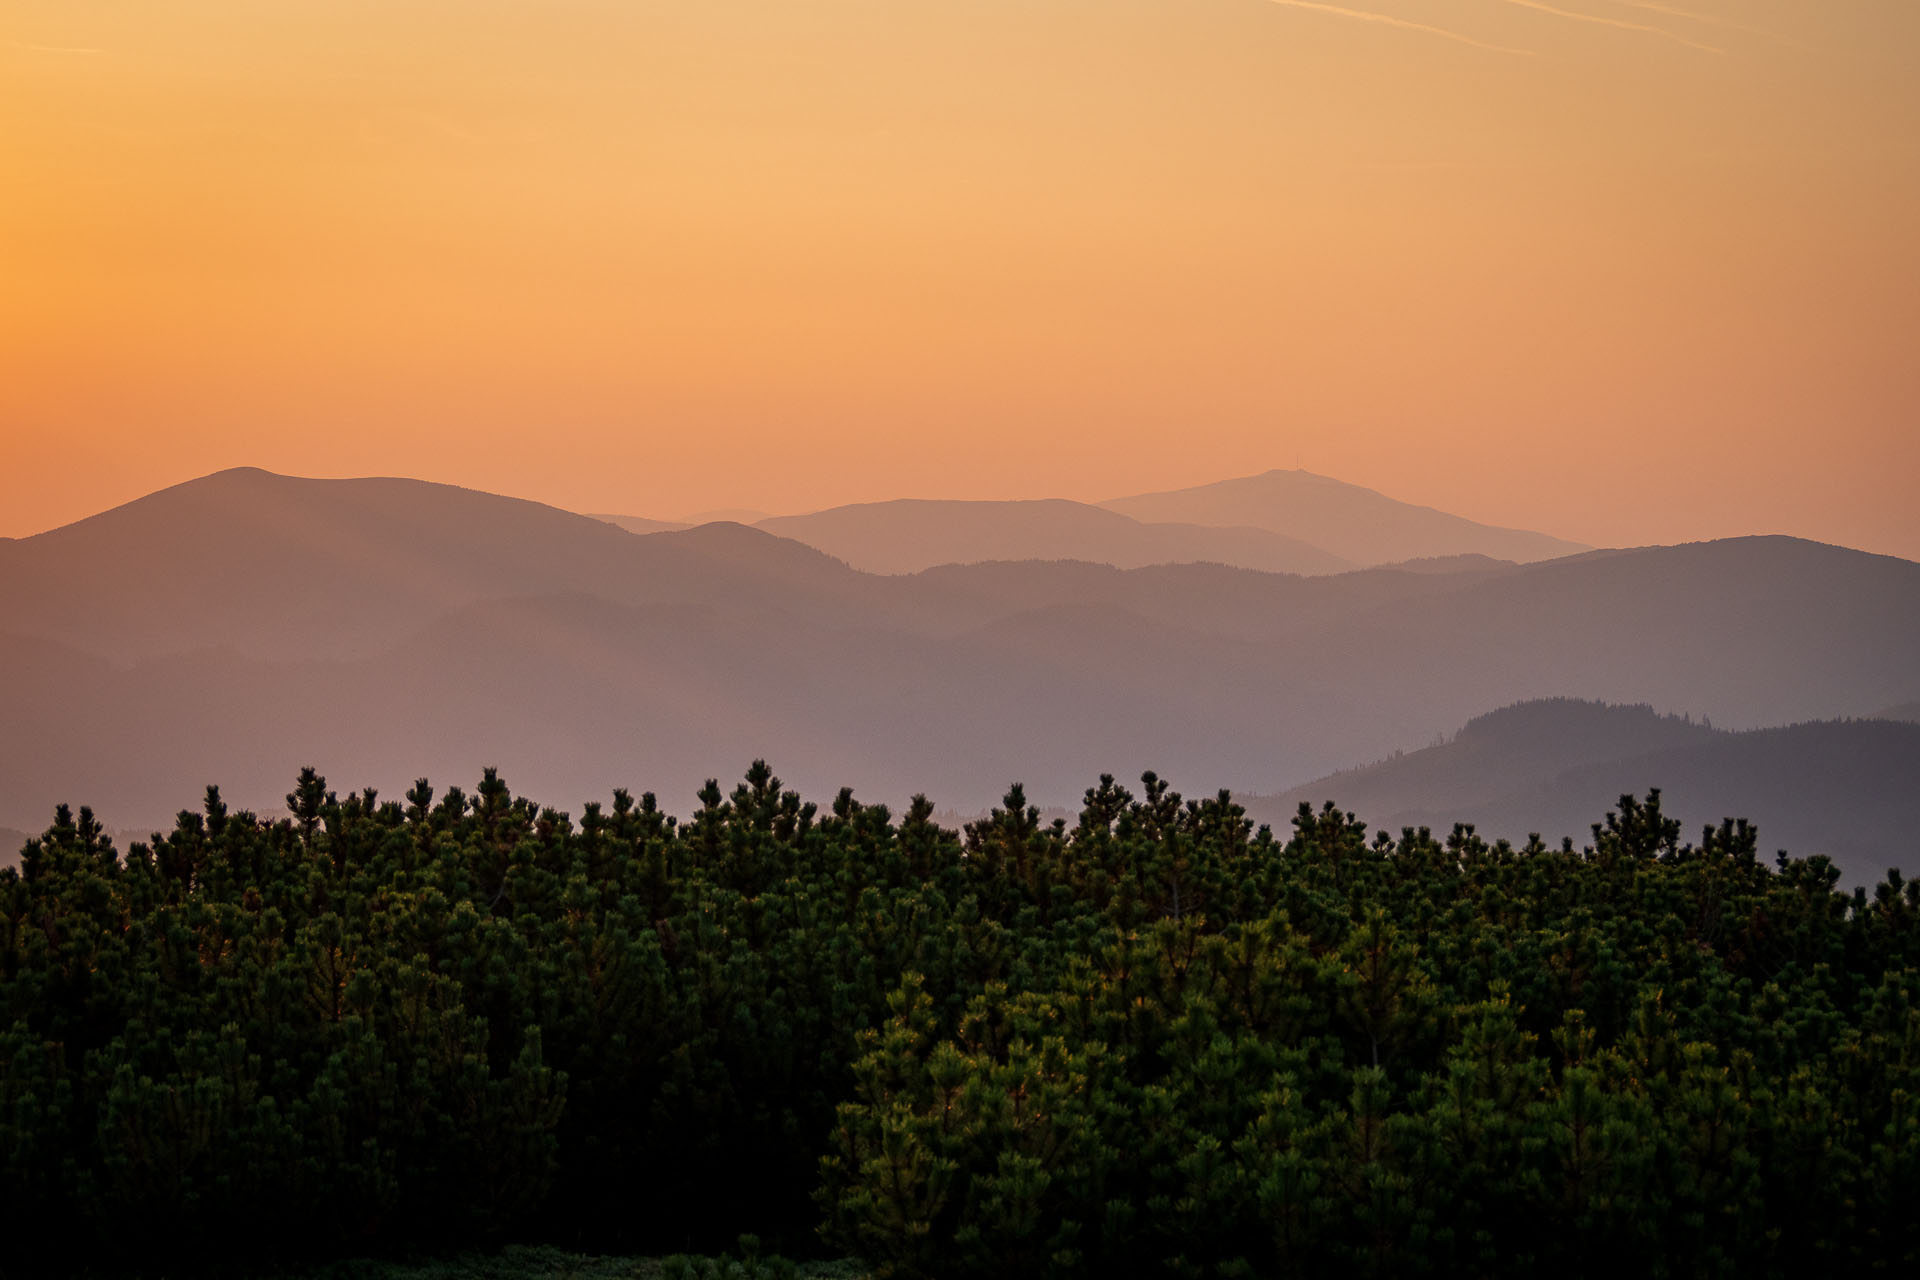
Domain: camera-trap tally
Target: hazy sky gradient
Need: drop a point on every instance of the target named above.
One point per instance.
(1624, 272)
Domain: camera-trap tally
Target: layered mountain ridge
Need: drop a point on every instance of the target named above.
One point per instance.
(235, 628)
(1278, 522)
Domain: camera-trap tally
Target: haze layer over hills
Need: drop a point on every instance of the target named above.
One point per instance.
(1352, 522)
(1553, 766)
(237, 627)
(641, 524)
(908, 535)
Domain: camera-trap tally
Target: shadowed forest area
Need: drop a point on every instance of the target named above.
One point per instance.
(1155, 1041)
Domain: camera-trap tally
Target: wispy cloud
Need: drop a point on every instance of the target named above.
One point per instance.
(68, 50)
(1622, 24)
(1388, 20)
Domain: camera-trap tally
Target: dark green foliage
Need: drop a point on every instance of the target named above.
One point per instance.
(544, 1262)
(1155, 1042)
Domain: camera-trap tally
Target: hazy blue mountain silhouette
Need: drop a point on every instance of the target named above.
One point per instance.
(1355, 523)
(387, 629)
(1901, 711)
(1840, 788)
(908, 535)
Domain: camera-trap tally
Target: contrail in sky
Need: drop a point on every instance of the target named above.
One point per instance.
(1386, 20)
(47, 48)
(1672, 12)
(1710, 19)
(1621, 23)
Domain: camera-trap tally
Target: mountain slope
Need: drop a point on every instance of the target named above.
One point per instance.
(1839, 788)
(1357, 524)
(1516, 746)
(282, 566)
(909, 535)
(1747, 631)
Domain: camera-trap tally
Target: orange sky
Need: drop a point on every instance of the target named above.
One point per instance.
(1625, 272)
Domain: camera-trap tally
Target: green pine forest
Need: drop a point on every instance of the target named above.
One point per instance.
(1154, 1042)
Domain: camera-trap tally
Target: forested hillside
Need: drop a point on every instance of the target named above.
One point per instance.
(1152, 1041)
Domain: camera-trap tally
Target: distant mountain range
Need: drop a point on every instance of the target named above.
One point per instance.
(1846, 789)
(239, 626)
(1279, 522)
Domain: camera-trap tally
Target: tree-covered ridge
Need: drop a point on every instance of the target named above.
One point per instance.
(1158, 1041)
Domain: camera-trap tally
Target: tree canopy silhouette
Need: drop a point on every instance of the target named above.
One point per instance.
(1158, 1041)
